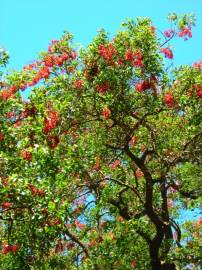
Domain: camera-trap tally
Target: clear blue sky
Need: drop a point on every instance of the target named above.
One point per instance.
(27, 26)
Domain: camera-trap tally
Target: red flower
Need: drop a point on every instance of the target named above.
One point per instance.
(13, 89)
(27, 155)
(133, 264)
(168, 33)
(73, 55)
(115, 164)
(97, 165)
(185, 32)
(199, 93)
(169, 99)
(138, 173)
(198, 89)
(6, 205)
(53, 141)
(49, 61)
(102, 88)
(167, 52)
(36, 191)
(133, 140)
(106, 51)
(50, 121)
(65, 57)
(79, 225)
(129, 55)
(198, 65)
(153, 30)
(78, 84)
(9, 248)
(5, 94)
(18, 123)
(1, 136)
(142, 86)
(106, 113)
(200, 221)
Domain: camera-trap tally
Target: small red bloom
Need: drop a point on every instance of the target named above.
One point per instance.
(50, 121)
(78, 84)
(167, 52)
(6, 205)
(200, 221)
(153, 29)
(129, 55)
(169, 99)
(133, 264)
(198, 65)
(9, 248)
(5, 94)
(13, 89)
(36, 191)
(102, 88)
(106, 113)
(115, 164)
(106, 51)
(199, 93)
(53, 141)
(27, 155)
(138, 173)
(49, 61)
(79, 225)
(142, 86)
(185, 32)
(1, 136)
(169, 33)
(73, 55)
(133, 140)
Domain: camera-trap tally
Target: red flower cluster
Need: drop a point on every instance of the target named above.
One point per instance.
(185, 32)
(5, 94)
(133, 264)
(43, 73)
(198, 65)
(50, 121)
(142, 86)
(136, 57)
(29, 110)
(9, 248)
(102, 88)
(198, 90)
(26, 155)
(167, 52)
(10, 115)
(106, 113)
(133, 140)
(129, 55)
(55, 60)
(6, 205)
(36, 191)
(78, 84)
(53, 141)
(106, 51)
(169, 33)
(79, 225)
(115, 164)
(169, 99)
(138, 173)
(1, 136)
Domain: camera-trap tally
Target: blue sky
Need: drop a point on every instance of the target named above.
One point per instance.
(27, 26)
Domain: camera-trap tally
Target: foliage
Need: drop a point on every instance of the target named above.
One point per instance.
(97, 164)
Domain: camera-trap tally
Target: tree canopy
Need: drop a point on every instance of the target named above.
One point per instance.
(98, 163)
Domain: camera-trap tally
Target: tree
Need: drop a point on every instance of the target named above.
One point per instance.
(97, 164)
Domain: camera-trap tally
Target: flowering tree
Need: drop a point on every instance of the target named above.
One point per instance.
(97, 164)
